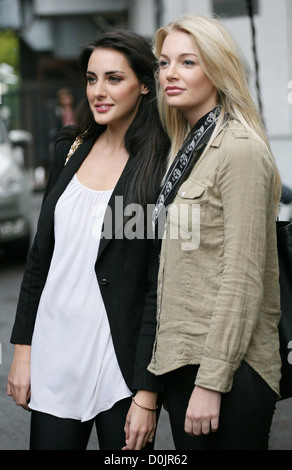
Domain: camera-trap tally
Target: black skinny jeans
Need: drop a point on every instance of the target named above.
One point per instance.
(246, 412)
(52, 433)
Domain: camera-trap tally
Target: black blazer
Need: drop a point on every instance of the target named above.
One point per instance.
(126, 271)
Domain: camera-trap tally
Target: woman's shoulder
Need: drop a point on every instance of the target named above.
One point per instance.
(65, 135)
(235, 130)
(241, 147)
(65, 138)
(238, 139)
(63, 142)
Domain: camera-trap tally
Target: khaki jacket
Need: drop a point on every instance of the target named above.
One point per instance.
(218, 289)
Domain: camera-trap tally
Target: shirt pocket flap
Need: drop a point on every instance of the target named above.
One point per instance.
(191, 190)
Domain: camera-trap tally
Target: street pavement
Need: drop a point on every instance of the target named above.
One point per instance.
(14, 421)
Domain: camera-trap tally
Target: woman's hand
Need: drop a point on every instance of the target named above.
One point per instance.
(18, 386)
(202, 416)
(140, 423)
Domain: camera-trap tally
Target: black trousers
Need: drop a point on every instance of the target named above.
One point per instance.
(246, 412)
(51, 433)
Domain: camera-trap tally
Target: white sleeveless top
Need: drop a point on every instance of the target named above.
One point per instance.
(74, 369)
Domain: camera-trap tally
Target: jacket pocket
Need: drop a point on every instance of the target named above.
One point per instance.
(184, 215)
(191, 190)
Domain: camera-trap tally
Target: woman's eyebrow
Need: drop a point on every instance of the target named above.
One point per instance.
(115, 71)
(181, 55)
(110, 72)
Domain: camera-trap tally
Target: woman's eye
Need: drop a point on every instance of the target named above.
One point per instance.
(114, 79)
(90, 79)
(188, 63)
(163, 63)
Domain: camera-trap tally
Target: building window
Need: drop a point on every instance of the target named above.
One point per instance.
(233, 7)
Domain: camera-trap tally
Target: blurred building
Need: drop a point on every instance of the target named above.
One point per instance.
(52, 32)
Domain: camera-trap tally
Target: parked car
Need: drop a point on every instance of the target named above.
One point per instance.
(15, 197)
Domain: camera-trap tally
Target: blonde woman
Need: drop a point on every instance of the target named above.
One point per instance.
(218, 295)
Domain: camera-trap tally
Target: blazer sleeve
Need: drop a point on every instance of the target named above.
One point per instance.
(245, 185)
(31, 288)
(143, 379)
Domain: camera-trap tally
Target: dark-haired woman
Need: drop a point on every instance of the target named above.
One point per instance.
(85, 321)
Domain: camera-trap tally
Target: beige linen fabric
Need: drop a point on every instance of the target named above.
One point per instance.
(218, 290)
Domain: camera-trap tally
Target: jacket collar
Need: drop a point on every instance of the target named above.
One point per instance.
(218, 139)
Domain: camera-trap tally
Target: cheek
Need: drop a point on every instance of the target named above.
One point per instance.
(205, 83)
(161, 77)
(89, 93)
(128, 94)
(209, 90)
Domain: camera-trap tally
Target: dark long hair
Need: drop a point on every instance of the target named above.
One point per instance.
(145, 140)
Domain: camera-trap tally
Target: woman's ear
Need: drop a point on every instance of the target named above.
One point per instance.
(145, 90)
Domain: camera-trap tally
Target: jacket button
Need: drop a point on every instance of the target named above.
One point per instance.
(104, 282)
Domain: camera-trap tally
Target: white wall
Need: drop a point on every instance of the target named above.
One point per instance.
(65, 7)
(175, 8)
(142, 16)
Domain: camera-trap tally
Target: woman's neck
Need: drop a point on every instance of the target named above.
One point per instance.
(194, 115)
(113, 139)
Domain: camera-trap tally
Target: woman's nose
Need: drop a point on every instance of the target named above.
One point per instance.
(99, 89)
(171, 72)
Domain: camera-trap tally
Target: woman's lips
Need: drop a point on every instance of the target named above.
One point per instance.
(173, 90)
(103, 107)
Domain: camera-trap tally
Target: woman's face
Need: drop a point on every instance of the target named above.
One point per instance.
(113, 90)
(185, 84)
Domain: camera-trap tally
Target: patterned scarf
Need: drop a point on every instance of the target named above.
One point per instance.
(184, 161)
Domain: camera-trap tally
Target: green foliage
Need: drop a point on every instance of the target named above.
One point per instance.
(9, 54)
(9, 48)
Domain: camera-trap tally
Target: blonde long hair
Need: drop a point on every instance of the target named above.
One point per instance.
(221, 61)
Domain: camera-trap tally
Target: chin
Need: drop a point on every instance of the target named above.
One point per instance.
(174, 101)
